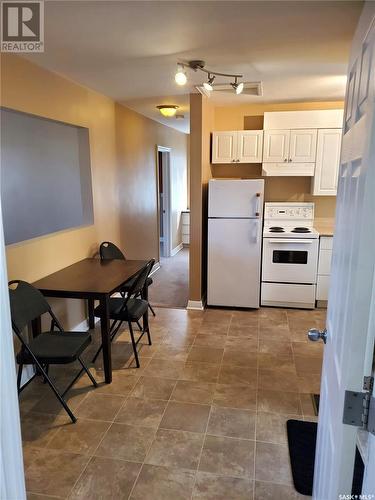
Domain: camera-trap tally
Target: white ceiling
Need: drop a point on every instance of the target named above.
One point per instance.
(128, 50)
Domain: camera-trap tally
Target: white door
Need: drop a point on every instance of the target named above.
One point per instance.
(276, 146)
(302, 146)
(233, 274)
(351, 306)
(224, 147)
(249, 146)
(327, 162)
(12, 482)
(235, 198)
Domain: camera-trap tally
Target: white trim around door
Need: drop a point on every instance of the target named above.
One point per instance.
(164, 199)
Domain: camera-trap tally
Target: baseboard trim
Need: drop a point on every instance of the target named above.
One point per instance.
(84, 325)
(176, 249)
(195, 305)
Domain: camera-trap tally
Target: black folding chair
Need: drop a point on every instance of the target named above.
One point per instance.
(49, 348)
(129, 309)
(109, 251)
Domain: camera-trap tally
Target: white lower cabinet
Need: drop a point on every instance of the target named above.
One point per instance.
(324, 267)
(185, 227)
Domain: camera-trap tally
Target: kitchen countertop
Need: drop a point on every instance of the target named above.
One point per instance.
(324, 226)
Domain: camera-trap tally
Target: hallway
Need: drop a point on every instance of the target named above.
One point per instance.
(171, 281)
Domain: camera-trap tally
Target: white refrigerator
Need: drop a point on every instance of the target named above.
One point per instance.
(235, 212)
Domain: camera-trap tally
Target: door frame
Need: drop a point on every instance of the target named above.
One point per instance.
(167, 200)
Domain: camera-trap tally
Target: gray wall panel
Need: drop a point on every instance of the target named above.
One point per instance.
(45, 176)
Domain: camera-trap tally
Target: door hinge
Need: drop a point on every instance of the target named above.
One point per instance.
(359, 407)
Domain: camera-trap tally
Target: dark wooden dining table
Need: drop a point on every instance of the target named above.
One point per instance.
(91, 279)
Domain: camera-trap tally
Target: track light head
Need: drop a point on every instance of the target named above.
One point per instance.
(180, 77)
(238, 87)
(208, 85)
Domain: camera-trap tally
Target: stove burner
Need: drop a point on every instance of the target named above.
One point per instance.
(301, 230)
(276, 229)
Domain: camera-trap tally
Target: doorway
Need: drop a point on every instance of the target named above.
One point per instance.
(170, 287)
(164, 200)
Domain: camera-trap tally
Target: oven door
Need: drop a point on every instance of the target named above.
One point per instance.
(290, 260)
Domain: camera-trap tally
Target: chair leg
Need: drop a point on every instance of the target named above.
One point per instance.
(151, 309)
(134, 344)
(148, 335)
(46, 370)
(57, 394)
(113, 332)
(88, 372)
(19, 375)
(97, 354)
(139, 326)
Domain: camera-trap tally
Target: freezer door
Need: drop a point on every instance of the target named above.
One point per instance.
(234, 250)
(235, 198)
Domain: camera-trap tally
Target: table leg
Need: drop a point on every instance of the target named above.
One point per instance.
(106, 341)
(90, 309)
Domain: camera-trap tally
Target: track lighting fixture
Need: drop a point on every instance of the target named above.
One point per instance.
(198, 65)
(208, 85)
(238, 87)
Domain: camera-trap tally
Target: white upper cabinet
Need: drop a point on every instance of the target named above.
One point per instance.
(224, 147)
(276, 146)
(240, 146)
(325, 179)
(289, 146)
(302, 146)
(249, 146)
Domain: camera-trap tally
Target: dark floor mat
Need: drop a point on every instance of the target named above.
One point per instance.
(302, 444)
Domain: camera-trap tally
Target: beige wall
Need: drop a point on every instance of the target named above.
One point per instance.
(136, 140)
(123, 156)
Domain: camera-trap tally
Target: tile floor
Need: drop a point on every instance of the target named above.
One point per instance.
(203, 418)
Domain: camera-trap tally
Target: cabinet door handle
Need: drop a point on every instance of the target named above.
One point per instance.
(285, 159)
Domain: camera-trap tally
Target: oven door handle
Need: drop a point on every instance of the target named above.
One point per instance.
(292, 241)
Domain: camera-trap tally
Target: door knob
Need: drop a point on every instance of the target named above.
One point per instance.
(314, 334)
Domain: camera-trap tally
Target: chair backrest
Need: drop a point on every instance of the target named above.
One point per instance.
(109, 251)
(26, 304)
(139, 282)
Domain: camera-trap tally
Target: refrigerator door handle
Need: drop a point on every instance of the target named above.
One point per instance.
(259, 225)
(258, 202)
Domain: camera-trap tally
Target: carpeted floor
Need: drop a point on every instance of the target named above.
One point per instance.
(171, 281)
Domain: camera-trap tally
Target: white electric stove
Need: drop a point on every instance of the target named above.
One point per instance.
(290, 255)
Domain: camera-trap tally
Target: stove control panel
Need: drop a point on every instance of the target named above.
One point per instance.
(289, 211)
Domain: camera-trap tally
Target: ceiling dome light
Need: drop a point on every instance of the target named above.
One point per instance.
(168, 110)
(238, 87)
(180, 77)
(208, 85)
